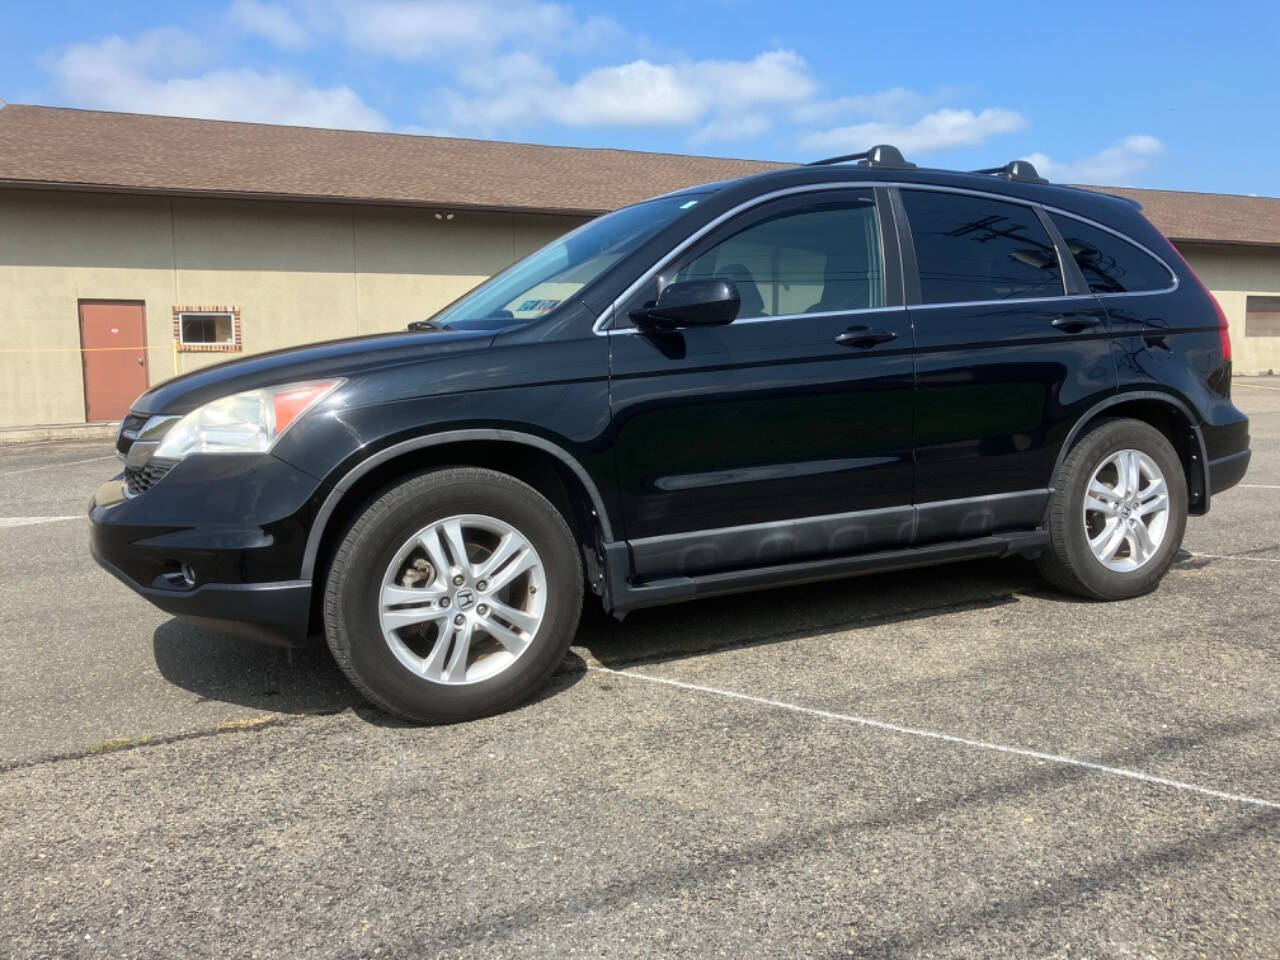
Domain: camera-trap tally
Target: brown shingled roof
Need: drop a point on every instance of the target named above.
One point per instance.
(1208, 217)
(90, 149)
(135, 152)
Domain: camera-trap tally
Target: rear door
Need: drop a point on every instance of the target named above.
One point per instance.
(787, 433)
(1006, 360)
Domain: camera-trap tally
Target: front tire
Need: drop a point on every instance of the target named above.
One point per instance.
(453, 596)
(1118, 512)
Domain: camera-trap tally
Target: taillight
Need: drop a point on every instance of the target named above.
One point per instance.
(1224, 334)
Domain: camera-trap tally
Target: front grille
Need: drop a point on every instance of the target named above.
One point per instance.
(141, 479)
(129, 428)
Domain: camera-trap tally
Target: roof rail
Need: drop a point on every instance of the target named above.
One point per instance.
(882, 155)
(1022, 170)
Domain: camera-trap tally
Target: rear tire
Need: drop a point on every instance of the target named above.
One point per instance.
(438, 633)
(1111, 536)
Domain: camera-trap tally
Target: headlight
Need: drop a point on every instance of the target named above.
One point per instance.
(249, 422)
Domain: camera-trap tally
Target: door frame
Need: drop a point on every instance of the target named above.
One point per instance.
(84, 354)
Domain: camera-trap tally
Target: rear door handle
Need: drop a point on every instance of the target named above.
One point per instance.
(1076, 323)
(864, 337)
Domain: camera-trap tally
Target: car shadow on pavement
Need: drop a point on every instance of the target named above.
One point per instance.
(219, 667)
(215, 666)
(300, 680)
(776, 616)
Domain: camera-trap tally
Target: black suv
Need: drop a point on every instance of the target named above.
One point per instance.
(812, 373)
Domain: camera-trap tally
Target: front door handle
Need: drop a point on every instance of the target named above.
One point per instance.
(1076, 322)
(864, 337)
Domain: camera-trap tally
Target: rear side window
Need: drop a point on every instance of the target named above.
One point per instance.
(1109, 264)
(971, 248)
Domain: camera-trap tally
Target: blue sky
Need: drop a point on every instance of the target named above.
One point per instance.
(1174, 94)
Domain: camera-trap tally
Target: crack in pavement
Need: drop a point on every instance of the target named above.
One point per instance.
(123, 744)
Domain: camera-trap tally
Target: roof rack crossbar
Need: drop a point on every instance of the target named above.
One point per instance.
(1022, 170)
(883, 156)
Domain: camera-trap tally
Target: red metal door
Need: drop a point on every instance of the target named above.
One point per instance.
(114, 338)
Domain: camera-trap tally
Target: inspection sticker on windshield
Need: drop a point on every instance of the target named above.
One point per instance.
(538, 306)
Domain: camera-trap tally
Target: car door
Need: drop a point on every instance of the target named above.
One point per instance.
(1006, 360)
(785, 434)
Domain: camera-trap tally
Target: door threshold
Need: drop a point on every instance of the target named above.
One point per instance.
(622, 596)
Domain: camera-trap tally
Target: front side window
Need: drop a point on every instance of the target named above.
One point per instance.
(1110, 264)
(972, 248)
(547, 278)
(816, 258)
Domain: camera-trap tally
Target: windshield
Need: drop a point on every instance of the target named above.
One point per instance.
(540, 282)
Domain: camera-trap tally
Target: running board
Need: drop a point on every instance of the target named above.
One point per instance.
(622, 596)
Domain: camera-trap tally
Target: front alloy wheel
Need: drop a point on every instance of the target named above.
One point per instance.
(454, 595)
(463, 599)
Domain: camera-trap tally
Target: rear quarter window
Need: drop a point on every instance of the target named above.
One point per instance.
(971, 248)
(1109, 263)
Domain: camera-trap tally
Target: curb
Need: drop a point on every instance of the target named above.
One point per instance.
(59, 431)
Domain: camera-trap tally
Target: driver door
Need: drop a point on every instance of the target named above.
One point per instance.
(787, 434)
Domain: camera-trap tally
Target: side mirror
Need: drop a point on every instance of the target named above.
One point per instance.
(691, 303)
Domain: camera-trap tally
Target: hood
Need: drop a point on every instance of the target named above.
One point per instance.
(334, 358)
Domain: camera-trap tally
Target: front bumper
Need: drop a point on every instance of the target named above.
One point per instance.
(194, 545)
(274, 613)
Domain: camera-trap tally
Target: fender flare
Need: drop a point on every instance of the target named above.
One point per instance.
(321, 522)
(1118, 398)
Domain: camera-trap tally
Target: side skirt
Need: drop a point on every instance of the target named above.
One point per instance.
(622, 596)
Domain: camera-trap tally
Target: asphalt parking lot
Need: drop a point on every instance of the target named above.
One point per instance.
(947, 762)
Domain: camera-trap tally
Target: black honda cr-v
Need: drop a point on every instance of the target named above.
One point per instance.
(812, 373)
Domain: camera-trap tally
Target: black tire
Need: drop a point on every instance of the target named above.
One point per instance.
(352, 591)
(1068, 562)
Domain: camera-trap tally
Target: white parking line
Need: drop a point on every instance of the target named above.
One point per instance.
(1227, 556)
(1262, 486)
(50, 466)
(28, 521)
(1254, 386)
(950, 738)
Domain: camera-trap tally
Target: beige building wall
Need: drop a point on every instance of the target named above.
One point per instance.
(1233, 273)
(297, 273)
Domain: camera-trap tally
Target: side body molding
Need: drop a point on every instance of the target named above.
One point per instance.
(1127, 396)
(434, 440)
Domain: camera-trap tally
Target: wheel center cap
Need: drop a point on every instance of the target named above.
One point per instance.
(464, 599)
(1125, 510)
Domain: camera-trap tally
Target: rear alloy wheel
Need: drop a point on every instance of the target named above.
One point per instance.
(1126, 511)
(454, 595)
(1118, 512)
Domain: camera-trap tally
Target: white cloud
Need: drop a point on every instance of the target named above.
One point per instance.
(1112, 165)
(146, 76)
(895, 103)
(521, 90)
(501, 67)
(939, 130)
(739, 127)
(271, 21)
(448, 29)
